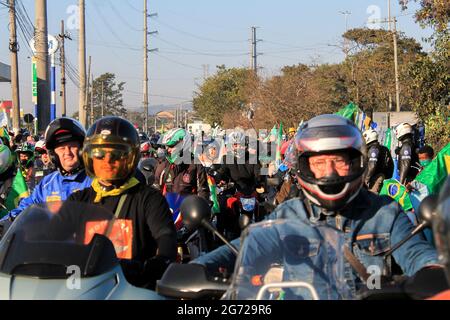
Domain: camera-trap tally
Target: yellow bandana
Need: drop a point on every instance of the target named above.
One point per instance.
(115, 192)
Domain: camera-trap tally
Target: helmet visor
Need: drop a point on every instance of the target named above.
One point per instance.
(109, 162)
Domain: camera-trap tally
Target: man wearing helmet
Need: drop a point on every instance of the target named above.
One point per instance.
(380, 165)
(179, 173)
(332, 161)
(111, 155)
(42, 164)
(25, 153)
(63, 139)
(408, 161)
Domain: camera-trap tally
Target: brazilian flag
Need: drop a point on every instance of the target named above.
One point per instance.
(19, 190)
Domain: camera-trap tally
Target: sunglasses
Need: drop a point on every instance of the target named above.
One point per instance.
(100, 154)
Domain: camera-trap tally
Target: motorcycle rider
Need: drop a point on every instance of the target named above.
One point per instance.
(332, 161)
(408, 161)
(42, 164)
(25, 153)
(64, 138)
(7, 173)
(380, 165)
(426, 155)
(179, 173)
(237, 170)
(111, 155)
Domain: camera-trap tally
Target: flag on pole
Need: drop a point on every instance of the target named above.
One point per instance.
(213, 194)
(355, 114)
(19, 190)
(279, 143)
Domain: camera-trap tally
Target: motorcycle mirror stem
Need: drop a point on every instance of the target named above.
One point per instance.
(196, 212)
(208, 226)
(426, 212)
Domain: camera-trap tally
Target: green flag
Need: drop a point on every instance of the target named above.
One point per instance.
(388, 138)
(397, 191)
(279, 143)
(19, 190)
(348, 111)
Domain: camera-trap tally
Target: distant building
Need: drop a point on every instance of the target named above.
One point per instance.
(5, 73)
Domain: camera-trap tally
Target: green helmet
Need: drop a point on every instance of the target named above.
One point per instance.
(6, 158)
(173, 138)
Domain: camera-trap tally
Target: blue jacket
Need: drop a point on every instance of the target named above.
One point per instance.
(54, 187)
(371, 225)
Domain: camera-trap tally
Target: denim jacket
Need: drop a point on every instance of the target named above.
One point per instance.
(371, 225)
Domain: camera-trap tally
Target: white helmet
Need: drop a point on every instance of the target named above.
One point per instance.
(403, 129)
(370, 135)
(40, 145)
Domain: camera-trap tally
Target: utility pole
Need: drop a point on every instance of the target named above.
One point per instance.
(145, 100)
(389, 15)
(146, 51)
(205, 71)
(394, 36)
(14, 48)
(86, 94)
(82, 65)
(103, 99)
(62, 60)
(254, 63)
(92, 101)
(346, 44)
(42, 67)
(397, 83)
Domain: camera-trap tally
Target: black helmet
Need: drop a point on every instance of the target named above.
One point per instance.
(59, 131)
(63, 130)
(114, 133)
(327, 134)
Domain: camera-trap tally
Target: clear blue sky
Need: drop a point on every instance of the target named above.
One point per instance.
(197, 33)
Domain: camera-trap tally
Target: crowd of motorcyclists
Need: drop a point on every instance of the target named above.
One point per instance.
(329, 173)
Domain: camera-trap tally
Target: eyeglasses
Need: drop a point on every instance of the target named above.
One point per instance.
(339, 163)
(115, 155)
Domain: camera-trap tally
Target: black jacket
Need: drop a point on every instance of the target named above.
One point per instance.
(246, 175)
(153, 228)
(185, 179)
(380, 161)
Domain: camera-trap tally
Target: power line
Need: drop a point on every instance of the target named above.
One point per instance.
(124, 20)
(197, 36)
(177, 62)
(105, 21)
(192, 50)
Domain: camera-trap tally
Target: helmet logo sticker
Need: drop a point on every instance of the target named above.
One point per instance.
(105, 132)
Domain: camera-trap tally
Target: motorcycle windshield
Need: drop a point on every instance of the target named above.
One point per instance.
(51, 240)
(290, 260)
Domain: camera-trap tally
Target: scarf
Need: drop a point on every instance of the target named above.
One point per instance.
(101, 193)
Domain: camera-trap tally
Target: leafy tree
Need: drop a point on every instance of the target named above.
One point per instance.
(112, 97)
(434, 13)
(221, 93)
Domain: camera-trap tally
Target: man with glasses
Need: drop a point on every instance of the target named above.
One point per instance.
(64, 139)
(332, 162)
(111, 155)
